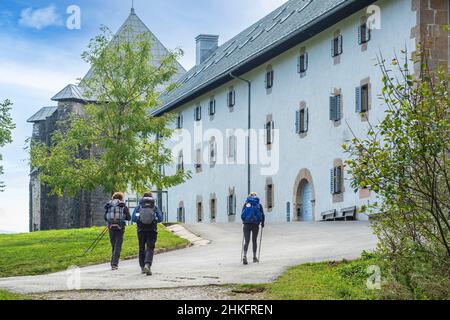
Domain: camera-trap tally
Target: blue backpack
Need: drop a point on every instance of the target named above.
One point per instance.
(252, 212)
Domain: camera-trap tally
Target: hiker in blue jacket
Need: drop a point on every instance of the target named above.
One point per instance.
(147, 216)
(252, 216)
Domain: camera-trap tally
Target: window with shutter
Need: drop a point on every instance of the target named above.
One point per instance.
(358, 99)
(297, 122)
(336, 179)
(231, 97)
(332, 183)
(180, 121)
(269, 196)
(364, 33)
(232, 147)
(198, 159)
(198, 113)
(303, 119)
(180, 165)
(212, 152)
(303, 63)
(365, 98)
(269, 79)
(335, 107)
(269, 132)
(212, 106)
(337, 46)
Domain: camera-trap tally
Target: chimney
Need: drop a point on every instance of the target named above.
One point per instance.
(206, 45)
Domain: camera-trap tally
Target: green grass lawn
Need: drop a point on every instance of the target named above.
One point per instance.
(345, 280)
(6, 295)
(50, 251)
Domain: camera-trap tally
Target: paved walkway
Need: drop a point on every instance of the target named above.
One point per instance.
(218, 262)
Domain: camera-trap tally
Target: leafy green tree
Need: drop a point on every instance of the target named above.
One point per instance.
(404, 159)
(114, 143)
(6, 127)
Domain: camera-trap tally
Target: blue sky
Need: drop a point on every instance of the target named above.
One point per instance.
(39, 55)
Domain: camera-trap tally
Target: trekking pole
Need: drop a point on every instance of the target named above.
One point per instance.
(260, 243)
(96, 241)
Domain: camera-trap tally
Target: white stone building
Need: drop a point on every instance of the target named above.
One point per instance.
(305, 75)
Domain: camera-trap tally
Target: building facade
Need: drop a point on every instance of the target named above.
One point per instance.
(86, 209)
(304, 80)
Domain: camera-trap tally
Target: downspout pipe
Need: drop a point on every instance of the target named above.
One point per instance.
(249, 123)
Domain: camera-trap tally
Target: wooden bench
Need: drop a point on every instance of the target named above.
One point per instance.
(329, 215)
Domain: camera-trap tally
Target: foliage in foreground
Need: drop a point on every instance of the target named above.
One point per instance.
(116, 142)
(405, 160)
(50, 251)
(6, 295)
(344, 280)
(6, 127)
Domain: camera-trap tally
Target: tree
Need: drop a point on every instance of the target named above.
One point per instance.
(405, 160)
(116, 142)
(6, 127)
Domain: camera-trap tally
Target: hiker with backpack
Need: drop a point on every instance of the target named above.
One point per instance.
(147, 216)
(116, 215)
(252, 216)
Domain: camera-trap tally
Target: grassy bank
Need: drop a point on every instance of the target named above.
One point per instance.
(344, 280)
(50, 251)
(6, 295)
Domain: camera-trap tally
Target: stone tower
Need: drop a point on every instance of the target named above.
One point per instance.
(86, 208)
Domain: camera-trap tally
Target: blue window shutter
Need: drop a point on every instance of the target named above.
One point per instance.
(297, 121)
(332, 171)
(228, 205)
(333, 51)
(272, 131)
(338, 179)
(360, 34)
(306, 119)
(234, 203)
(340, 44)
(338, 107)
(358, 99)
(368, 33)
(306, 61)
(333, 108)
(299, 70)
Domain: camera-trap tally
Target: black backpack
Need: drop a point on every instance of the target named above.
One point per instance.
(147, 213)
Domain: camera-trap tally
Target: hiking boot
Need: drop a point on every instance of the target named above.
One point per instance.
(255, 260)
(148, 270)
(143, 271)
(244, 260)
(114, 268)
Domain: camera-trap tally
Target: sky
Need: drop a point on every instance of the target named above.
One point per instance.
(40, 54)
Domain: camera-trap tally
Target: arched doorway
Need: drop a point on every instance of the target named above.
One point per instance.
(305, 209)
(304, 197)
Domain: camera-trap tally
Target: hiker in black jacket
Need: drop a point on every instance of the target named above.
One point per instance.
(147, 216)
(116, 215)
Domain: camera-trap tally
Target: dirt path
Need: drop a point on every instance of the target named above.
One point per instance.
(189, 293)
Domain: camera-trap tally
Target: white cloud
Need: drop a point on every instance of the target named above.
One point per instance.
(40, 18)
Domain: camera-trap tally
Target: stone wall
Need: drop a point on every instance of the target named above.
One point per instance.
(432, 17)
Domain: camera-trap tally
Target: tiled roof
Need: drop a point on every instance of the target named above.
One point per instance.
(42, 114)
(289, 20)
(132, 28)
(70, 92)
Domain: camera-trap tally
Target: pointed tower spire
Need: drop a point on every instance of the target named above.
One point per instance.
(132, 7)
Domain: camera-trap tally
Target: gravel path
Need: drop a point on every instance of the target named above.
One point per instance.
(189, 293)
